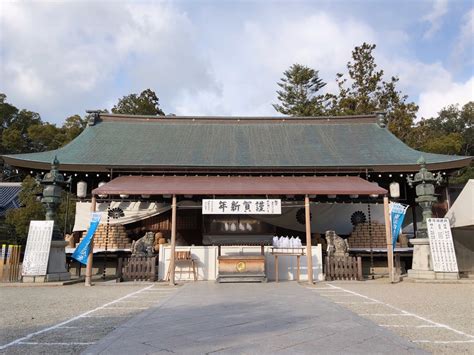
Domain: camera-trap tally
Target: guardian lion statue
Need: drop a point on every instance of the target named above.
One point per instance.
(144, 246)
(337, 246)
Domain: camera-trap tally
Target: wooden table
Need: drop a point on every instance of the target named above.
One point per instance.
(298, 252)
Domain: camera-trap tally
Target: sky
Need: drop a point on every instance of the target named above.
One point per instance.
(222, 57)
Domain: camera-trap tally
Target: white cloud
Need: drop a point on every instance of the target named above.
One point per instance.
(249, 65)
(65, 58)
(62, 59)
(432, 101)
(462, 54)
(434, 17)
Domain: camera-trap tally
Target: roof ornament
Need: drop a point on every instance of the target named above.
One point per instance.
(381, 118)
(93, 117)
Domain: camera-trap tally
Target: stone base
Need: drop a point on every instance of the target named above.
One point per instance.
(56, 277)
(31, 279)
(431, 275)
(421, 274)
(447, 276)
(421, 266)
(421, 254)
(57, 270)
(60, 276)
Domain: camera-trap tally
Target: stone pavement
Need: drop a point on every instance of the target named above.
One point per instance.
(288, 318)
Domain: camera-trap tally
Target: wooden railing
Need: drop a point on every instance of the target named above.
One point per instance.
(137, 268)
(343, 268)
(10, 267)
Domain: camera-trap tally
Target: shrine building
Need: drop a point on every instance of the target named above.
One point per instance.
(218, 186)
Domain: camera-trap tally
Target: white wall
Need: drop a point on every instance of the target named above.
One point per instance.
(206, 260)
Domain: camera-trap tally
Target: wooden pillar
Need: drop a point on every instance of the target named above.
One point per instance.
(173, 240)
(90, 257)
(388, 233)
(309, 254)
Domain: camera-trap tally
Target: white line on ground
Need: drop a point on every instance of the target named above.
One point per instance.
(126, 308)
(54, 344)
(444, 341)
(386, 314)
(81, 326)
(107, 316)
(407, 313)
(356, 302)
(86, 314)
(408, 326)
(336, 294)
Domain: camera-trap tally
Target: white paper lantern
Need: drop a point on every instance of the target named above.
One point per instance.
(395, 190)
(102, 183)
(123, 196)
(81, 189)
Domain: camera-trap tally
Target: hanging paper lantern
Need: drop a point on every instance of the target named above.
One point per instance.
(81, 189)
(102, 183)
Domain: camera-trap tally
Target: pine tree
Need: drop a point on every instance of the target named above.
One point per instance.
(299, 92)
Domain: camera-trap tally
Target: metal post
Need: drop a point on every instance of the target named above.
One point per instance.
(173, 239)
(309, 254)
(388, 233)
(91, 251)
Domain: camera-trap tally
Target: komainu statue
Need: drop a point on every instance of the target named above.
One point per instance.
(144, 246)
(337, 246)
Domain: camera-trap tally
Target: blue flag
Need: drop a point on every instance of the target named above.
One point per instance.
(82, 250)
(397, 215)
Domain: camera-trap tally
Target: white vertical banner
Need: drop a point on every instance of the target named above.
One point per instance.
(241, 206)
(441, 245)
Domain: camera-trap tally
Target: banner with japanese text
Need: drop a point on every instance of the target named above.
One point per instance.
(241, 206)
(82, 250)
(397, 215)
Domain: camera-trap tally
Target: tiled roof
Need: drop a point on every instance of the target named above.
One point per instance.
(236, 143)
(9, 196)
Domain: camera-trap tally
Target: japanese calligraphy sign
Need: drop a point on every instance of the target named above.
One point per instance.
(38, 245)
(241, 206)
(441, 245)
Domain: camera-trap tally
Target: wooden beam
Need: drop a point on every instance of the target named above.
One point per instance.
(388, 234)
(90, 256)
(173, 240)
(309, 254)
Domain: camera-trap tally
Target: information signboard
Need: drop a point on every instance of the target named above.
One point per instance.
(441, 245)
(38, 245)
(241, 206)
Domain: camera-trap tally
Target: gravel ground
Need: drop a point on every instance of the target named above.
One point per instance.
(29, 309)
(448, 304)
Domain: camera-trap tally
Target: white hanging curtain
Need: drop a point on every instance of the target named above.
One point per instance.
(132, 212)
(324, 216)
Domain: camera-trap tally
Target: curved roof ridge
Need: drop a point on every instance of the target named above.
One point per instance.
(368, 118)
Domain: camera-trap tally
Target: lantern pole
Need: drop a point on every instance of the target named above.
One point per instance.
(309, 254)
(90, 257)
(173, 241)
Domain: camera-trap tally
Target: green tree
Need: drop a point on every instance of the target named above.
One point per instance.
(72, 127)
(365, 92)
(147, 103)
(44, 137)
(31, 209)
(299, 92)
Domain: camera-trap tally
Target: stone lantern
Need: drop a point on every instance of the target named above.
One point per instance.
(53, 183)
(424, 181)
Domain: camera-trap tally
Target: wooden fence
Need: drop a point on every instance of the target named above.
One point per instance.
(10, 267)
(343, 268)
(137, 269)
